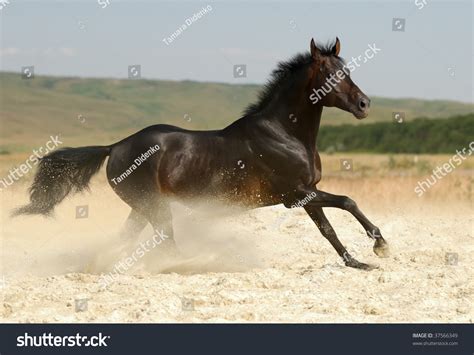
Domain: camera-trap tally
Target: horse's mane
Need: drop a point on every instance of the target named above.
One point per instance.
(283, 71)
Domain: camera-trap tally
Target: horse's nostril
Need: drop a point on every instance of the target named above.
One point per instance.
(363, 104)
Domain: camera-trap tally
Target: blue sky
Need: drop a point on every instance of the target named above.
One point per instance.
(431, 59)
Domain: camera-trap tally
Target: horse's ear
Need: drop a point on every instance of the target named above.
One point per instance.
(336, 48)
(315, 52)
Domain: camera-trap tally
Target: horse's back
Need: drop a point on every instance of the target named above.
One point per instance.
(165, 147)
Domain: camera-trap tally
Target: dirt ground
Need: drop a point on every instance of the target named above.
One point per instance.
(265, 265)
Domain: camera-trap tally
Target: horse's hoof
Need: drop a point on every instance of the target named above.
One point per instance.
(381, 248)
(358, 265)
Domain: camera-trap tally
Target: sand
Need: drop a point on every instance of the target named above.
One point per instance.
(264, 265)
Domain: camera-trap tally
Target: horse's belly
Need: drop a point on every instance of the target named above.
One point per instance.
(232, 185)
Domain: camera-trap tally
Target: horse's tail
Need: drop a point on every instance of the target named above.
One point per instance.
(61, 172)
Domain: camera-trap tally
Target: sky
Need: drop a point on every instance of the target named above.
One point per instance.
(428, 56)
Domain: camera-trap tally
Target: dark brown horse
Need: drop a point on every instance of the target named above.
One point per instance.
(267, 157)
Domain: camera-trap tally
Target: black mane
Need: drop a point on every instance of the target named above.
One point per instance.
(283, 71)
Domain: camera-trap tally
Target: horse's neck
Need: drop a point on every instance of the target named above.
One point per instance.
(310, 127)
(303, 125)
(282, 123)
(285, 120)
(300, 118)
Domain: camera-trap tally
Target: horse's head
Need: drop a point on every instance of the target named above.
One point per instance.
(331, 84)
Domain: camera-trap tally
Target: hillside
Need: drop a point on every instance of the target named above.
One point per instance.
(101, 111)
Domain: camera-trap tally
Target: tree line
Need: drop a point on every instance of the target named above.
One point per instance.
(418, 136)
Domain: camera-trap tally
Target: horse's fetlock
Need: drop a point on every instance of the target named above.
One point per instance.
(374, 233)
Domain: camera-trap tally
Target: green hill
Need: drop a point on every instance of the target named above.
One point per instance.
(102, 111)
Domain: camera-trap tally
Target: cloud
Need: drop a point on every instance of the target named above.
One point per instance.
(47, 52)
(9, 51)
(58, 52)
(68, 52)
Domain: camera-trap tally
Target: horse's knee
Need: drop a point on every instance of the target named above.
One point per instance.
(349, 204)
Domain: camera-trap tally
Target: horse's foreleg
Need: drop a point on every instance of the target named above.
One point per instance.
(347, 204)
(319, 218)
(325, 199)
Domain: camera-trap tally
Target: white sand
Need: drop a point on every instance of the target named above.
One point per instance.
(266, 265)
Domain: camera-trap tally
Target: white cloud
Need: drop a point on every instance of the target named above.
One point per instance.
(9, 51)
(47, 52)
(67, 51)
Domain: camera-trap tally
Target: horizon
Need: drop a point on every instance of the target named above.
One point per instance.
(220, 83)
(84, 39)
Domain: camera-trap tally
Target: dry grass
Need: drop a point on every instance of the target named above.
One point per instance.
(387, 179)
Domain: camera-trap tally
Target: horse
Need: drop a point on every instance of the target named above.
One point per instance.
(267, 157)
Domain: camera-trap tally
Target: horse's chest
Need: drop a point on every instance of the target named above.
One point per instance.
(316, 176)
(317, 168)
(312, 169)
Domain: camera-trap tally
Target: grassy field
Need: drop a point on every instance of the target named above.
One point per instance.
(102, 111)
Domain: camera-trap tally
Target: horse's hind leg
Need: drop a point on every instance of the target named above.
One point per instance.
(133, 226)
(319, 218)
(158, 213)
